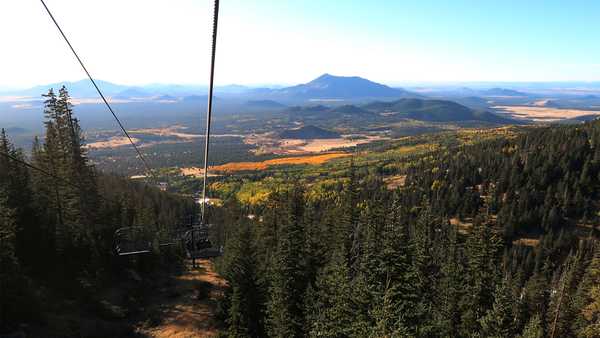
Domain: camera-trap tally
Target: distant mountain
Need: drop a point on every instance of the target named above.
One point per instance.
(501, 92)
(322, 88)
(321, 111)
(350, 110)
(265, 104)
(308, 132)
(473, 102)
(300, 110)
(84, 88)
(340, 87)
(435, 111)
(231, 89)
(165, 98)
(552, 104)
(131, 93)
(195, 98)
(81, 88)
(580, 119)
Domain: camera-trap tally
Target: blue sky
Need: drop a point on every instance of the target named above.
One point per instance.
(260, 41)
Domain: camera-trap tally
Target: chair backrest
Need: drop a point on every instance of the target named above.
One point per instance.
(133, 240)
(198, 245)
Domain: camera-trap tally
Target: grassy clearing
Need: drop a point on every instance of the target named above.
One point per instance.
(542, 114)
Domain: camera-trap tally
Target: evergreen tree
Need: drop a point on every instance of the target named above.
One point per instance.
(385, 313)
(481, 249)
(9, 265)
(287, 281)
(499, 321)
(397, 298)
(245, 312)
(334, 310)
(450, 286)
(533, 329)
(591, 309)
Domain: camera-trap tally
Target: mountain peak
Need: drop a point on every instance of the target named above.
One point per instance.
(325, 77)
(329, 86)
(330, 77)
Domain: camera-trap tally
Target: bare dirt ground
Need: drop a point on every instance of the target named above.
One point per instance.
(463, 226)
(532, 242)
(269, 143)
(543, 114)
(394, 182)
(185, 311)
(196, 172)
(113, 142)
(176, 130)
(320, 145)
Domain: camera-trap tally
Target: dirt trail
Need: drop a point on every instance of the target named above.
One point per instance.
(188, 308)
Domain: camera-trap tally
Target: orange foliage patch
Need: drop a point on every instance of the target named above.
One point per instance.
(527, 242)
(249, 166)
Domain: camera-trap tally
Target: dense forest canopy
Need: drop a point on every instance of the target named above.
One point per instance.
(493, 239)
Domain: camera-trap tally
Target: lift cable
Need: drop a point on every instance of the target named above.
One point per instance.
(209, 109)
(141, 157)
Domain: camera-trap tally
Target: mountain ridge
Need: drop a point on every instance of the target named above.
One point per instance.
(329, 86)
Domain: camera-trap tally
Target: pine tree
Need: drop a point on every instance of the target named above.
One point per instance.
(245, 313)
(17, 303)
(9, 265)
(559, 320)
(385, 315)
(348, 227)
(499, 321)
(334, 308)
(397, 298)
(16, 179)
(287, 280)
(426, 269)
(450, 286)
(591, 310)
(533, 329)
(481, 249)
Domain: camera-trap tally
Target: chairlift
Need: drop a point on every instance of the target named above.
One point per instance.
(195, 241)
(198, 244)
(133, 241)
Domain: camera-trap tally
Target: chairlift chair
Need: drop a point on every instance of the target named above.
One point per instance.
(133, 241)
(198, 245)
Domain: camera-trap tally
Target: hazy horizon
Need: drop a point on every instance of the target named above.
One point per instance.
(408, 84)
(265, 42)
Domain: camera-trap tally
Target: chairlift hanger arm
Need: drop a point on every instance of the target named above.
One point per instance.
(209, 108)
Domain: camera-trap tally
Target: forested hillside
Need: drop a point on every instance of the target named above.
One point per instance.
(59, 273)
(496, 238)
